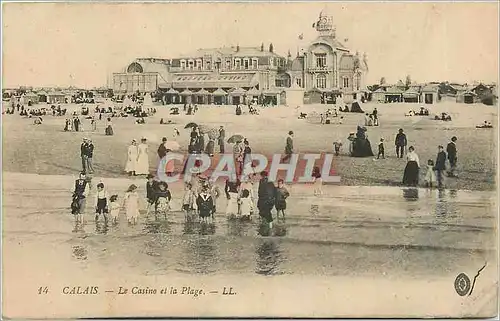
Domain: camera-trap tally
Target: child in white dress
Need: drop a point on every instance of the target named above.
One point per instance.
(131, 203)
(114, 208)
(318, 182)
(430, 176)
(246, 204)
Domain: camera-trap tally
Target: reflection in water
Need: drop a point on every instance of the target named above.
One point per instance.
(101, 227)
(238, 227)
(200, 255)
(156, 227)
(79, 252)
(189, 227)
(207, 229)
(410, 194)
(314, 209)
(269, 256)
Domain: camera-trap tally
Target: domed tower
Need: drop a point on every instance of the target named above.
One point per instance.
(324, 25)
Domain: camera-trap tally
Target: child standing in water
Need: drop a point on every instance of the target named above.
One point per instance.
(188, 200)
(131, 202)
(205, 204)
(430, 176)
(101, 201)
(150, 191)
(163, 197)
(114, 208)
(246, 205)
(317, 181)
(281, 196)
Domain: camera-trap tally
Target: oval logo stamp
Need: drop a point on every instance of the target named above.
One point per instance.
(462, 284)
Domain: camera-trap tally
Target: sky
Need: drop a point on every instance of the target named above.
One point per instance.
(82, 44)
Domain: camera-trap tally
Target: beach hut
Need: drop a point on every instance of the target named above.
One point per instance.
(379, 95)
(30, 98)
(411, 96)
(393, 94)
(220, 97)
(56, 97)
(271, 97)
(203, 96)
(171, 96)
(236, 96)
(42, 96)
(186, 96)
(430, 94)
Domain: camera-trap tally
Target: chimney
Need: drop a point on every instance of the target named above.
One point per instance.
(271, 48)
(262, 47)
(237, 48)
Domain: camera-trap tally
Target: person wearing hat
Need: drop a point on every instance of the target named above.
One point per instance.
(440, 166)
(381, 150)
(266, 198)
(288, 146)
(83, 154)
(451, 149)
(151, 186)
(400, 143)
(80, 193)
(221, 140)
(132, 154)
(131, 202)
(90, 155)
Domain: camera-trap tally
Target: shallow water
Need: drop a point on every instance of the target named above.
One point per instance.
(347, 231)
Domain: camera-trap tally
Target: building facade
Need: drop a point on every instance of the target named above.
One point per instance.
(326, 65)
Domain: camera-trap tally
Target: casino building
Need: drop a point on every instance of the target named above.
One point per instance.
(319, 73)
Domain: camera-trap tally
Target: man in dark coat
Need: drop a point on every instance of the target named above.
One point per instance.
(162, 150)
(90, 156)
(83, 155)
(288, 146)
(266, 195)
(440, 165)
(221, 140)
(400, 143)
(451, 149)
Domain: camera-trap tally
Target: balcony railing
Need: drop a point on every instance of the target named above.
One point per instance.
(320, 69)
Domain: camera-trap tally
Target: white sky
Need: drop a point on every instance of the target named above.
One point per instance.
(81, 44)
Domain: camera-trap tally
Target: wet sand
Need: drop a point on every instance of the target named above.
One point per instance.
(356, 251)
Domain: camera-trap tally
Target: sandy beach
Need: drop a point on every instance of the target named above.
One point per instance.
(47, 149)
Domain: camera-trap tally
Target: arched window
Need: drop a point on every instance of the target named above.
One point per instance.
(134, 68)
(321, 81)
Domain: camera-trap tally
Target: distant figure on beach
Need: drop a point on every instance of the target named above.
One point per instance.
(280, 200)
(132, 154)
(317, 181)
(400, 143)
(440, 166)
(288, 147)
(109, 127)
(381, 149)
(451, 149)
(411, 173)
(430, 176)
(222, 139)
(142, 167)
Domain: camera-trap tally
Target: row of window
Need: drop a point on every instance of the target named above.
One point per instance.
(236, 63)
(321, 81)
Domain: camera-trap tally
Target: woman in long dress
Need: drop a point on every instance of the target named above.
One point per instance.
(132, 154)
(142, 159)
(109, 127)
(410, 176)
(132, 204)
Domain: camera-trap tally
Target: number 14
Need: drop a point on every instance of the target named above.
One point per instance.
(43, 290)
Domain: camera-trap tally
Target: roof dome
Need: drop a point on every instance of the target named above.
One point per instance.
(297, 64)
